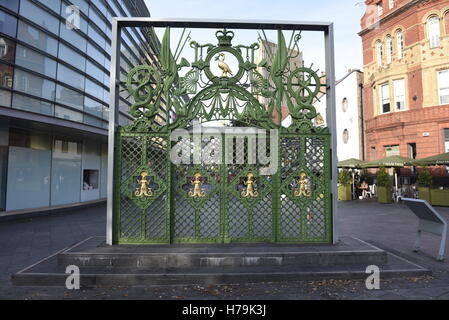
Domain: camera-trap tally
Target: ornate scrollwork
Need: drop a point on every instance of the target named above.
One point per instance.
(234, 92)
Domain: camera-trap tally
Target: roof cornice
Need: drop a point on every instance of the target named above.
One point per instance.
(391, 15)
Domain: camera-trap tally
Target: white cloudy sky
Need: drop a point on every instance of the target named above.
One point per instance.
(345, 14)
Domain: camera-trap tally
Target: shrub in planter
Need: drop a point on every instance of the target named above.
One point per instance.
(344, 185)
(383, 187)
(424, 184)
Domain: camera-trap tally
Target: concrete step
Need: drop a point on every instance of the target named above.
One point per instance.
(49, 273)
(93, 253)
(102, 265)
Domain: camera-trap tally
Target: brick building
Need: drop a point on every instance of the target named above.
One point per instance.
(406, 77)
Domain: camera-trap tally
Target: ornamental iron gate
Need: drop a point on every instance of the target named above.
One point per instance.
(252, 181)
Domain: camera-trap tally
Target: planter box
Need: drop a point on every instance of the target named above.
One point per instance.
(439, 197)
(344, 192)
(384, 195)
(424, 194)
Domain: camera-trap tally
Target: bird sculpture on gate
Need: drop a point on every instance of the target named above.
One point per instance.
(223, 65)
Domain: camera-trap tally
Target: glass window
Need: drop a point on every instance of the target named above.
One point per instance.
(106, 95)
(344, 104)
(35, 61)
(106, 80)
(34, 85)
(95, 17)
(380, 9)
(433, 30)
(93, 107)
(68, 114)
(7, 49)
(6, 76)
(385, 98)
(54, 5)
(37, 38)
(3, 176)
(74, 37)
(345, 136)
(69, 97)
(94, 71)
(389, 45)
(82, 5)
(70, 56)
(31, 104)
(95, 54)
(379, 53)
(446, 140)
(108, 32)
(10, 4)
(92, 121)
(94, 89)
(39, 16)
(392, 151)
(5, 98)
(67, 12)
(28, 174)
(106, 113)
(90, 179)
(124, 6)
(391, 2)
(443, 86)
(117, 12)
(400, 44)
(96, 36)
(100, 5)
(8, 24)
(66, 172)
(70, 77)
(107, 64)
(399, 94)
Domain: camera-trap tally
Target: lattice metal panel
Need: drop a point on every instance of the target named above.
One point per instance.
(144, 214)
(197, 213)
(249, 209)
(130, 155)
(130, 220)
(157, 220)
(289, 219)
(305, 214)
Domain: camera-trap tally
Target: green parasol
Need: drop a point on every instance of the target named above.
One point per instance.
(439, 159)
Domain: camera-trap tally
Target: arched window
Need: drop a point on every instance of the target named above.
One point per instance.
(400, 44)
(433, 31)
(344, 104)
(379, 53)
(389, 45)
(345, 136)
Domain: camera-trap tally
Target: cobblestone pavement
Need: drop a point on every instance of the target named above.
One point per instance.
(391, 227)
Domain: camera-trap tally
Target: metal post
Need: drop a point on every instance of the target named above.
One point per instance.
(113, 124)
(332, 121)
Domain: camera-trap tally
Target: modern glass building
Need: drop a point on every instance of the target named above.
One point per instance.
(54, 96)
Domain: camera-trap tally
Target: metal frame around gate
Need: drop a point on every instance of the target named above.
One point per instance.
(122, 22)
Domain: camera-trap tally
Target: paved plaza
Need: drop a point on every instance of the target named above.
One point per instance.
(390, 227)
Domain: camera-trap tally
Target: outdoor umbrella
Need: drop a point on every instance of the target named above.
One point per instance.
(390, 162)
(351, 164)
(439, 159)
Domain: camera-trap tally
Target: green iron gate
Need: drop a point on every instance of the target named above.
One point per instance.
(175, 185)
